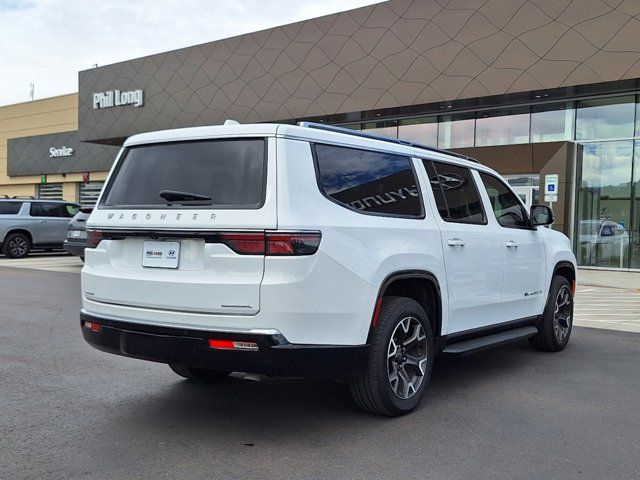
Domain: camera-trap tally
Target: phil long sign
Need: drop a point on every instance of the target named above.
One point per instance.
(118, 98)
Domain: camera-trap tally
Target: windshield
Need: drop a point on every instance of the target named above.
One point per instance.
(224, 173)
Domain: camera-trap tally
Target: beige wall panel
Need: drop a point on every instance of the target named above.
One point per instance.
(51, 115)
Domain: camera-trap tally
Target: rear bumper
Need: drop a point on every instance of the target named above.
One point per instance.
(74, 248)
(275, 355)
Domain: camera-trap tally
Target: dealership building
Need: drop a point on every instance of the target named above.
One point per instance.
(537, 89)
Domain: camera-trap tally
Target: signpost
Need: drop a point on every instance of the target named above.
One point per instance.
(551, 188)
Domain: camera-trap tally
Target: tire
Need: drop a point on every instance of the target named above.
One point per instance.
(383, 389)
(17, 245)
(198, 374)
(555, 327)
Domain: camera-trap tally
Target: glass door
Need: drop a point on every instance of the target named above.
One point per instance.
(603, 235)
(635, 211)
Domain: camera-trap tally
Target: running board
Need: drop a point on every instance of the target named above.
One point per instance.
(490, 341)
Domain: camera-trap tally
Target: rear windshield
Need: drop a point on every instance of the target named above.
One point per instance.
(10, 208)
(218, 173)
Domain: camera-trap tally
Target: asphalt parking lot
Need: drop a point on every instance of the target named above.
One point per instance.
(68, 411)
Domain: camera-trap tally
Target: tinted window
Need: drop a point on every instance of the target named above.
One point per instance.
(455, 192)
(10, 208)
(371, 182)
(41, 209)
(437, 190)
(231, 173)
(508, 210)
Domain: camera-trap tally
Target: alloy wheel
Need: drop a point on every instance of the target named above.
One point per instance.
(18, 246)
(407, 357)
(562, 314)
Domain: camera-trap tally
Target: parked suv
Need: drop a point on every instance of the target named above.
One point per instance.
(29, 224)
(316, 251)
(76, 240)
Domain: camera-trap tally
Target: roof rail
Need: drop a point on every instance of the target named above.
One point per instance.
(23, 197)
(358, 133)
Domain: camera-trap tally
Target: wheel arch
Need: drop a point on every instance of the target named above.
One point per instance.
(419, 285)
(567, 270)
(19, 230)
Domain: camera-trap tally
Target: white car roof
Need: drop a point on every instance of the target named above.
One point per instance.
(298, 133)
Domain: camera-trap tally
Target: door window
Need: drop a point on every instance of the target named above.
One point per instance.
(505, 204)
(454, 189)
(60, 210)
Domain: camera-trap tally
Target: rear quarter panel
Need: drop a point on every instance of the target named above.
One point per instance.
(369, 247)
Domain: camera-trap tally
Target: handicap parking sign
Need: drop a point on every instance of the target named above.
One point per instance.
(551, 187)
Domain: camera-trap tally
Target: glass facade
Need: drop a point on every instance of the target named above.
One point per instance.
(604, 206)
(605, 118)
(456, 131)
(607, 131)
(552, 123)
(386, 129)
(422, 130)
(503, 127)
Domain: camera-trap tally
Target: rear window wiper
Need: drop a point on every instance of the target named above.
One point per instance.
(176, 196)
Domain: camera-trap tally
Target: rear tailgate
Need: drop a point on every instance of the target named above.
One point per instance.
(185, 255)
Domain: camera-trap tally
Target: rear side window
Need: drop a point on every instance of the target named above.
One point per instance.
(508, 210)
(10, 208)
(216, 173)
(454, 189)
(369, 182)
(41, 209)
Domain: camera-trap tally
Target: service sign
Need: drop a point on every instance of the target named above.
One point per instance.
(61, 152)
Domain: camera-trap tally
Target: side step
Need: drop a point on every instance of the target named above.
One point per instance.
(490, 341)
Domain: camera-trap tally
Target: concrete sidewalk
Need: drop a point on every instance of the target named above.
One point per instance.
(607, 278)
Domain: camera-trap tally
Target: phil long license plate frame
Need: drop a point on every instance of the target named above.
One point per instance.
(160, 254)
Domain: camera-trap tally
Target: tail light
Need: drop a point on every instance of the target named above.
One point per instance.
(244, 243)
(94, 237)
(273, 243)
(294, 243)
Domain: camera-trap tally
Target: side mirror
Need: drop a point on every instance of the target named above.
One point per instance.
(541, 215)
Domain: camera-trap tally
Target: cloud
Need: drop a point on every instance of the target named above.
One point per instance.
(46, 42)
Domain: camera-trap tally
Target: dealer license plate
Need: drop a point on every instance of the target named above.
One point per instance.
(161, 254)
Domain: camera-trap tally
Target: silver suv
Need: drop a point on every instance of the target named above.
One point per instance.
(27, 224)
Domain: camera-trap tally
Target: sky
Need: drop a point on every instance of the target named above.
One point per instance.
(46, 42)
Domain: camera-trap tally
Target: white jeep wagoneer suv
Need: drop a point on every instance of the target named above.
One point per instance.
(317, 251)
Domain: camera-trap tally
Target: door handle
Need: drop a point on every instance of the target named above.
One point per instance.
(42, 221)
(456, 242)
(511, 244)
